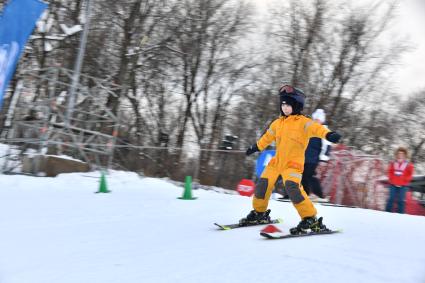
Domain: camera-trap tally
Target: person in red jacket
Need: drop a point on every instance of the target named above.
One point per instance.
(400, 174)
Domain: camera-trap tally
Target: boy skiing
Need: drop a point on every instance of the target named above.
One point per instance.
(291, 133)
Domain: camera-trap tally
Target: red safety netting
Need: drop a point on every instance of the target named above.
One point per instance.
(354, 178)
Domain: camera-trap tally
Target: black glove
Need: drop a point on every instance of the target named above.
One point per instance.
(333, 137)
(253, 148)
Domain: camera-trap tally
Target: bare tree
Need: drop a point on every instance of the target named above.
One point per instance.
(411, 129)
(204, 46)
(335, 54)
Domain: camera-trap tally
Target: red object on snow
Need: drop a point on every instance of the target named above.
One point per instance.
(246, 187)
(270, 229)
(413, 207)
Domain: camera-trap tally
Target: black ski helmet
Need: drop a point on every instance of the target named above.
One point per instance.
(292, 96)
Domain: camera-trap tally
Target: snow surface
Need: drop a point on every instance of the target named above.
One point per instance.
(59, 230)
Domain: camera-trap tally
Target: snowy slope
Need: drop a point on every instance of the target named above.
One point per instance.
(58, 230)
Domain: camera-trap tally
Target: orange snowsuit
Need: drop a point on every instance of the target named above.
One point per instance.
(291, 135)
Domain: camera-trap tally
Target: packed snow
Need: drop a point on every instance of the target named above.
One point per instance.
(59, 230)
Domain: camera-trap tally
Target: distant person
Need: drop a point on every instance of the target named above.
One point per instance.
(291, 133)
(400, 172)
(317, 150)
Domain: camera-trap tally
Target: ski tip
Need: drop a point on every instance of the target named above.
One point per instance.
(266, 235)
(222, 227)
(332, 231)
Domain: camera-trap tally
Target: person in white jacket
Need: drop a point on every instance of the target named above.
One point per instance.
(317, 150)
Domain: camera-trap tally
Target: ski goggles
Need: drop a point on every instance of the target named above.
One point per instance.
(288, 89)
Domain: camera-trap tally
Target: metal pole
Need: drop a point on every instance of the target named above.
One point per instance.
(46, 124)
(12, 107)
(9, 131)
(78, 64)
(113, 142)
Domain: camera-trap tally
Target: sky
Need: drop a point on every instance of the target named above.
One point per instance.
(59, 230)
(410, 24)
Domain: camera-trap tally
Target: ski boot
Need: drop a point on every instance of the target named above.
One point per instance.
(255, 217)
(309, 224)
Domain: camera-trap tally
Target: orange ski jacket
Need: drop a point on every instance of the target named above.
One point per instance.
(291, 135)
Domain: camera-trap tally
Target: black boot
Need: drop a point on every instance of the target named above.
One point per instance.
(255, 217)
(309, 224)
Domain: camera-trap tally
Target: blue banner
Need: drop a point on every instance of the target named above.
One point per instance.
(263, 160)
(16, 24)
